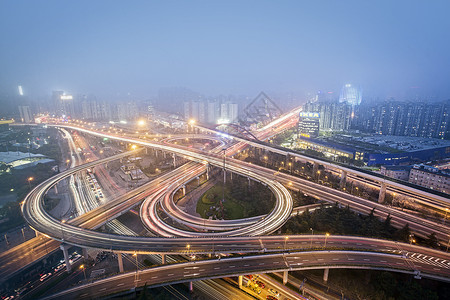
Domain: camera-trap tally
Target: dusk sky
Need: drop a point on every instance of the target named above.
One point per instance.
(108, 48)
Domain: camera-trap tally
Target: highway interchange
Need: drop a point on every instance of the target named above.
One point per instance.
(252, 242)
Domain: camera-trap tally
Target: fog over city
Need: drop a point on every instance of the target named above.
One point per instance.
(120, 50)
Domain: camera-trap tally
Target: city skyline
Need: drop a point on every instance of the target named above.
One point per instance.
(390, 49)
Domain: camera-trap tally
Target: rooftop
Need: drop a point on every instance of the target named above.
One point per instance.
(11, 156)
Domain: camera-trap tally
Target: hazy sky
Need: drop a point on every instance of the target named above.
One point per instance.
(224, 47)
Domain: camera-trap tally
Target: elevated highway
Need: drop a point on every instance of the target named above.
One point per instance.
(83, 237)
(199, 270)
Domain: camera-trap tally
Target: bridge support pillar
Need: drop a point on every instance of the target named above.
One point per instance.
(85, 253)
(174, 160)
(65, 250)
(120, 261)
(163, 259)
(183, 188)
(382, 193)
(146, 150)
(325, 274)
(207, 172)
(191, 286)
(315, 169)
(343, 179)
(224, 176)
(56, 189)
(285, 277)
(240, 281)
(198, 180)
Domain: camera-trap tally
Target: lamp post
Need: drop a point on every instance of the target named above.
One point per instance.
(290, 167)
(82, 267)
(285, 241)
(326, 236)
(411, 239)
(137, 275)
(62, 231)
(192, 123)
(224, 174)
(312, 233)
(30, 179)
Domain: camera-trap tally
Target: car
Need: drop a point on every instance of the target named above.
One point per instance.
(270, 297)
(75, 258)
(59, 267)
(272, 291)
(261, 284)
(45, 276)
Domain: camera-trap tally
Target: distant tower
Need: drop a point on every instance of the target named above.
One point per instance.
(350, 94)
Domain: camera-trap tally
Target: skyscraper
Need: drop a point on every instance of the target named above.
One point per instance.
(350, 94)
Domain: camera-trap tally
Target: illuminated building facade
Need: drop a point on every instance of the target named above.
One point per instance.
(308, 124)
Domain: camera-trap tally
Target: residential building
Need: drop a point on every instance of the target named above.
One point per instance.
(430, 177)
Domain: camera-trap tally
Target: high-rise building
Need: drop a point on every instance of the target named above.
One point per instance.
(212, 112)
(350, 94)
(228, 113)
(91, 109)
(127, 111)
(408, 119)
(25, 114)
(333, 115)
(63, 104)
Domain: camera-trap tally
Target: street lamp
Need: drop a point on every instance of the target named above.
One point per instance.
(136, 277)
(30, 179)
(411, 239)
(192, 123)
(141, 122)
(82, 267)
(285, 240)
(62, 231)
(312, 233)
(290, 165)
(224, 175)
(326, 236)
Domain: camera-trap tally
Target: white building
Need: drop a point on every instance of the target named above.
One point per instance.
(25, 114)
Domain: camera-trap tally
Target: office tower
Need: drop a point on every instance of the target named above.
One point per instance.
(350, 94)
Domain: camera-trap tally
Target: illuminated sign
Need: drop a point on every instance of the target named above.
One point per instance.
(310, 114)
(66, 97)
